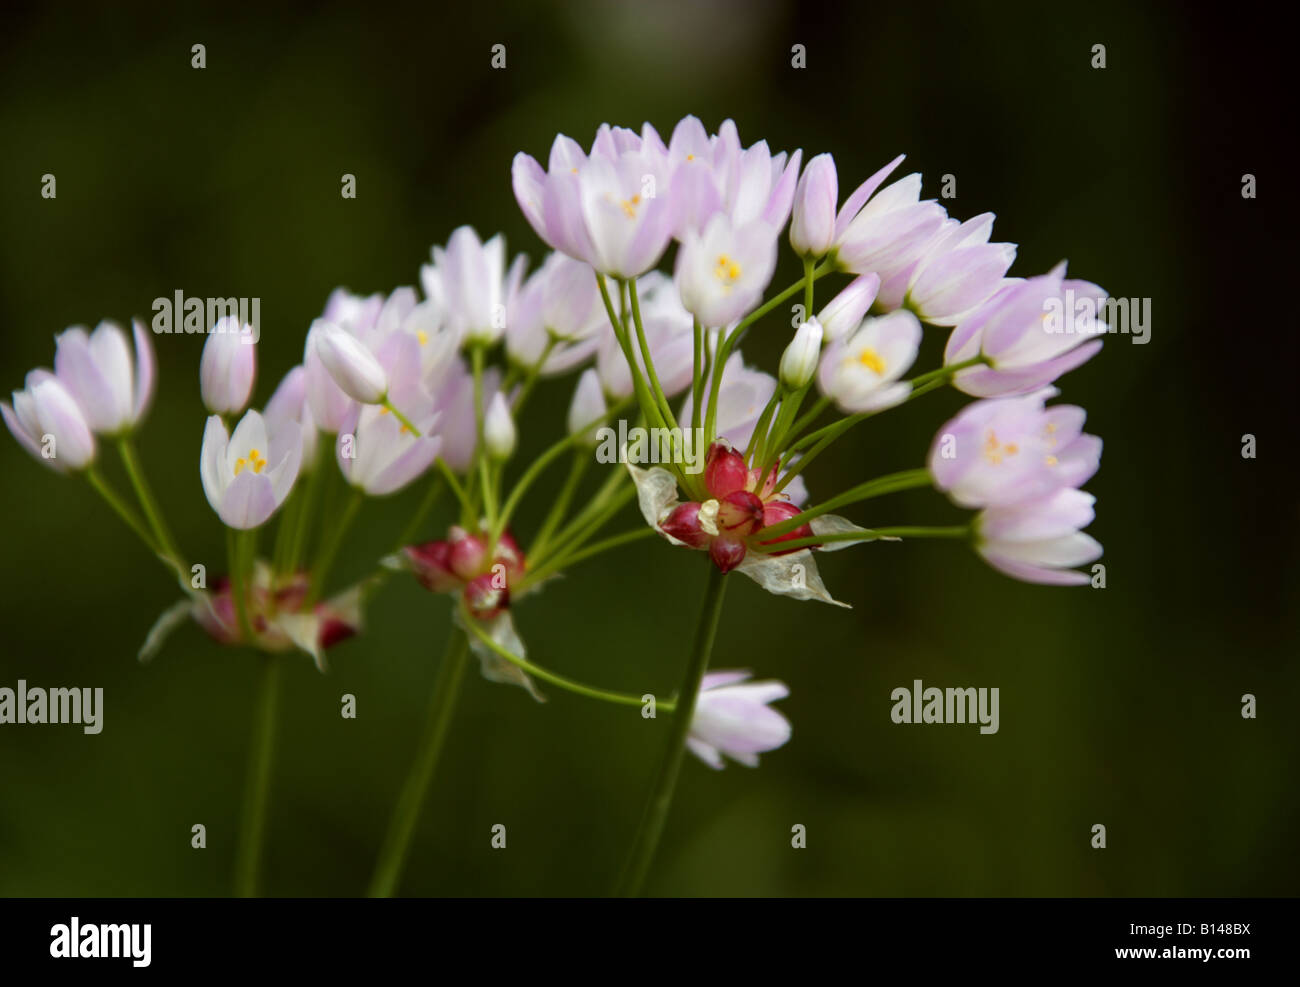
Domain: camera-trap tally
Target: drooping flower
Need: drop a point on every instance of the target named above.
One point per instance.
(1029, 333)
(1040, 541)
(957, 271)
(377, 453)
(860, 372)
(352, 366)
(885, 231)
(228, 366)
(47, 422)
(247, 476)
(329, 404)
(1009, 450)
(844, 313)
(733, 717)
(97, 370)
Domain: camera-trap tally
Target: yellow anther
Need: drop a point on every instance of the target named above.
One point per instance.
(422, 336)
(995, 451)
(870, 359)
(726, 270)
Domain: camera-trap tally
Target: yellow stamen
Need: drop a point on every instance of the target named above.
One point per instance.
(870, 359)
(726, 270)
(629, 206)
(422, 336)
(995, 451)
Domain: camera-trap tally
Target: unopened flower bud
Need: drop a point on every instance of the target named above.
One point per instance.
(499, 429)
(799, 361)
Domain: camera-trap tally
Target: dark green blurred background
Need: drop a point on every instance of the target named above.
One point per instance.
(1119, 706)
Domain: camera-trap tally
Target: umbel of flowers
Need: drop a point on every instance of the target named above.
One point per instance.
(662, 254)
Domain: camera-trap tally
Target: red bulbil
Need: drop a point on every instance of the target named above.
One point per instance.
(461, 563)
(487, 595)
(724, 470)
(746, 504)
(684, 525)
(740, 513)
(431, 563)
(267, 602)
(727, 553)
(467, 554)
(775, 513)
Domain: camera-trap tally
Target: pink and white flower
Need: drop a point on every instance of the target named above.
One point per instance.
(247, 476)
(228, 366)
(1011, 450)
(860, 372)
(1040, 541)
(47, 421)
(97, 369)
(1018, 335)
(721, 273)
(733, 716)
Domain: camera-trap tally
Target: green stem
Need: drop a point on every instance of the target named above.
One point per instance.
(581, 457)
(119, 506)
(569, 685)
(653, 377)
(531, 376)
(810, 416)
(661, 794)
(582, 528)
(567, 561)
(126, 448)
(330, 548)
(236, 549)
(446, 690)
(892, 483)
(943, 372)
(400, 417)
(649, 406)
(426, 505)
(252, 829)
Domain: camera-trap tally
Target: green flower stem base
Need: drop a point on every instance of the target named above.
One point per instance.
(661, 796)
(446, 690)
(252, 830)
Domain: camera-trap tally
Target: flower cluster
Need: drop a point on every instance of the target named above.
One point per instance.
(662, 254)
